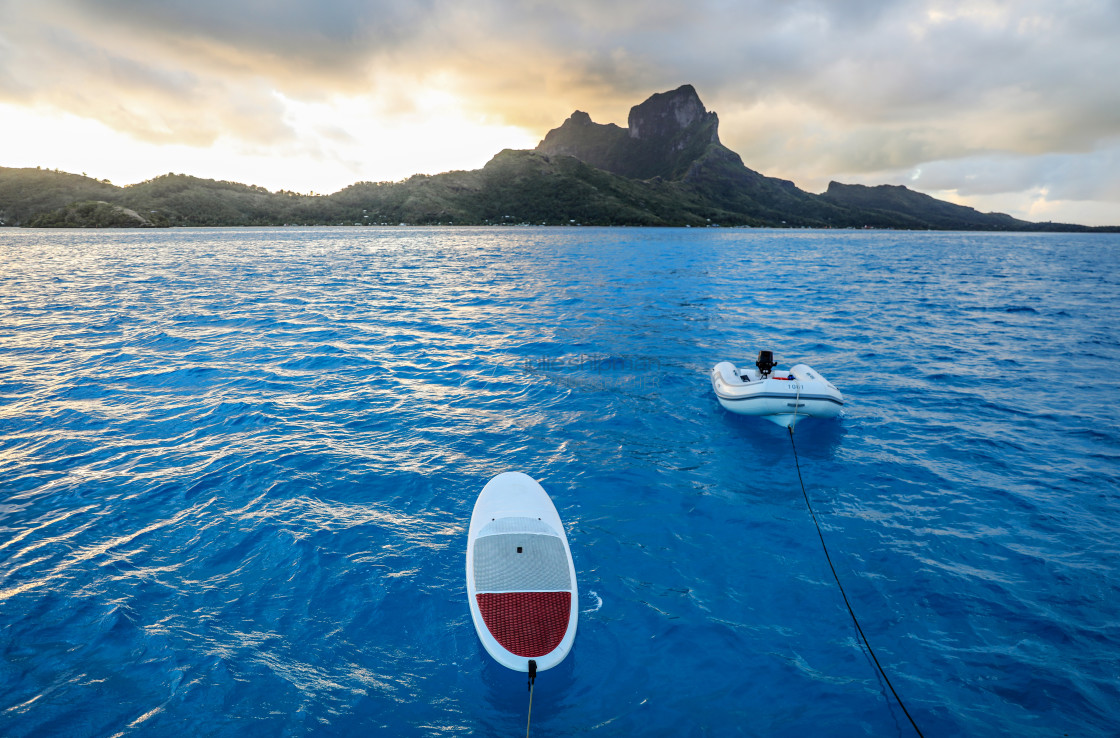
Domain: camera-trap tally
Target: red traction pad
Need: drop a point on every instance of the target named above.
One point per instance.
(528, 624)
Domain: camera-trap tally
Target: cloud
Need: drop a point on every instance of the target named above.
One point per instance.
(1062, 176)
(807, 89)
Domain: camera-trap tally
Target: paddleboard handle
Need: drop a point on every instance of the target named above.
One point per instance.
(532, 673)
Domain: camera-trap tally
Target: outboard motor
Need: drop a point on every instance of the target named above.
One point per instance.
(765, 363)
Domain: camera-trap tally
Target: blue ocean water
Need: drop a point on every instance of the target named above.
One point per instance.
(237, 467)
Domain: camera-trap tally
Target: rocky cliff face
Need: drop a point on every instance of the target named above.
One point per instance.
(601, 146)
(664, 136)
(667, 115)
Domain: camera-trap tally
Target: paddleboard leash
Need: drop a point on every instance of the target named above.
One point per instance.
(843, 594)
(532, 681)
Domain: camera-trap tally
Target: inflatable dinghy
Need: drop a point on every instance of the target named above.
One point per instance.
(781, 397)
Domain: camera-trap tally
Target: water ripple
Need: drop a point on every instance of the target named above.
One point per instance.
(236, 468)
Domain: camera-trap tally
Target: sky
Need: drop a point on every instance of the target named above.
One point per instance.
(1008, 106)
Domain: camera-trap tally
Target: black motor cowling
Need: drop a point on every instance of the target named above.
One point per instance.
(765, 362)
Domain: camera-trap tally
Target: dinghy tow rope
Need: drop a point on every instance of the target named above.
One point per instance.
(835, 576)
(532, 681)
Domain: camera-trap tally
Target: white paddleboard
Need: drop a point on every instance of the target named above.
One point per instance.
(520, 578)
